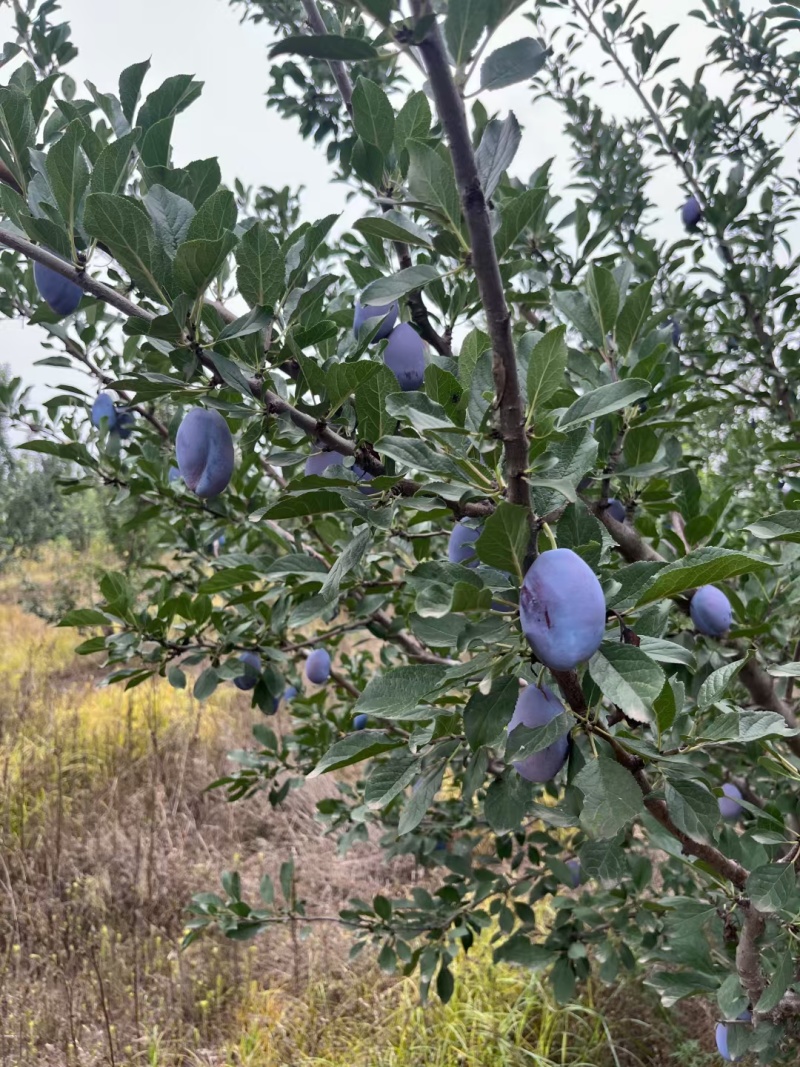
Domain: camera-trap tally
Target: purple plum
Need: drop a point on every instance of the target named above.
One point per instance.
(251, 661)
(574, 866)
(721, 1034)
(103, 408)
(174, 475)
(562, 609)
(691, 213)
(289, 693)
(318, 462)
(461, 546)
(59, 293)
(204, 448)
(367, 313)
(616, 509)
(676, 332)
(711, 611)
(729, 808)
(537, 707)
(405, 356)
(360, 721)
(318, 666)
(125, 424)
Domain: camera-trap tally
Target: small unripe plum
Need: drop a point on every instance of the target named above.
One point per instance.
(461, 546)
(721, 1034)
(204, 448)
(251, 661)
(537, 707)
(691, 213)
(318, 666)
(59, 293)
(562, 609)
(711, 611)
(364, 314)
(360, 721)
(729, 806)
(574, 866)
(103, 408)
(616, 509)
(318, 462)
(405, 356)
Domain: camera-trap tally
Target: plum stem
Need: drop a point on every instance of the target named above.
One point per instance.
(550, 535)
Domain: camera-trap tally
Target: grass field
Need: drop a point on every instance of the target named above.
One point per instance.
(106, 831)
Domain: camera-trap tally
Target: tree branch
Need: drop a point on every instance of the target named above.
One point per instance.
(338, 70)
(450, 107)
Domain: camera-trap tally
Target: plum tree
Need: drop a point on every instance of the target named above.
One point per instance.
(711, 611)
(248, 679)
(691, 213)
(461, 545)
(562, 609)
(537, 706)
(366, 313)
(360, 721)
(204, 450)
(318, 666)
(729, 806)
(404, 355)
(59, 293)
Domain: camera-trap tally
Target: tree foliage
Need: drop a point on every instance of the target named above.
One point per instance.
(575, 357)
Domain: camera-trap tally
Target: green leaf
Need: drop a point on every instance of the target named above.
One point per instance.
(604, 400)
(174, 95)
(432, 182)
(782, 978)
(513, 63)
(385, 290)
(85, 617)
(413, 121)
(111, 167)
(395, 693)
(356, 747)
(783, 526)
(576, 309)
(17, 133)
(628, 678)
(319, 502)
(506, 802)
(206, 683)
(171, 215)
(326, 46)
(393, 226)
(497, 149)
(611, 797)
(603, 298)
(603, 860)
(632, 317)
(524, 741)
(744, 727)
(421, 799)
(373, 419)
(519, 214)
(388, 779)
(68, 172)
(705, 566)
(519, 949)
(127, 230)
(694, 809)
(215, 218)
(419, 411)
(130, 84)
(547, 365)
(713, 688)
(464, 25)
(373, 117)
(227, 578)
(505, 538)
(487, 715)
(197, 263)
(253, 322)
(773, 888)
(261, 267)
(416, 454)
(347, 560)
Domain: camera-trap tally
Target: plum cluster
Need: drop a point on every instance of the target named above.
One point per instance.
(117, 421)
(405, 352)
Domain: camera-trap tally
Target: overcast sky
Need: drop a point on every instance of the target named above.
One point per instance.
(231, 120)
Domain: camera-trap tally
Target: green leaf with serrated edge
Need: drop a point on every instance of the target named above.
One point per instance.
(713, 688)
(519, 214)
(417, 409)
(627, 677)
(111, 168)
(506, 802)
(327, 46)
(68, 172)
(487, 715)
(413, 120)
(432, 182)
(171, 215)
(573, 455)
(84, 617)
(356, 747)
(384, 290)
(373, 419)
(393, 227)
(505, 538)
(663, 651)
(420, 800)
(472, 348)
(611, 797)
(253, 322)
(632, 580)
(318, 502)
(634, 314)
(197, 263)
(345, 378)
(512, 63)
(174, 95)
(782, 977)
(17, 133)
(296, 563)
(693, 808)
(603, 401)
(410, 454)
(464, 25)
(388, 779)
(392, 694)
(665, 708)
(744, 727)
(603, 860)
(215, 217)
(128, 232)
(575, 307)
(373, 117)
(130, 84)
(520, 950)
(773, 888)
(227, 578)
(499, 144)
(524, 741)
(261, 267)
(705, 566)
(547, 365)
(347, 560)
(603, 296)
(783, 526)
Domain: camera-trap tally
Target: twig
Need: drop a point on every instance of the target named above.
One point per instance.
(340, 75)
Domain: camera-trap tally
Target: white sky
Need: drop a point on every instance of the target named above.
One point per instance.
(231, 120)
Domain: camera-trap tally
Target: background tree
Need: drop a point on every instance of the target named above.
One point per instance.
(574, 360)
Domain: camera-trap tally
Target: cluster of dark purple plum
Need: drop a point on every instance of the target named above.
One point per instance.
(404, 354)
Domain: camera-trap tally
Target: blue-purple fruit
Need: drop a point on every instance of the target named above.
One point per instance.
(616, 509)
(721, 1034)
(691, 213)
(461, 546)
(729, 806)
(574, 866)
(405, 356)
(562, 609)
(537, 707)
(360, 721)
(318, 666)
(367, 313)
(711, 611)
(204, 449)
(59, 293)
(248, 679)
(103, 408)
(318, 462)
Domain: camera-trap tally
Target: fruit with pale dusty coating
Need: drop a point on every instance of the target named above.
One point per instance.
(461, 546)
(405, 356)
(204, 449)
(368, 313)
(537, 707)
(318, 666)
(103, 408)
(360, 721)
(729, 806)
(711, 611)
(59, 293)
(721, 1035)
(691, 213)
(248, 679)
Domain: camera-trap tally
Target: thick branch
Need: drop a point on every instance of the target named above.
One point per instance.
(748, 956)
(508, 397)
(338, 70)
